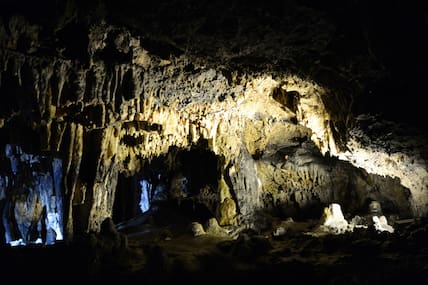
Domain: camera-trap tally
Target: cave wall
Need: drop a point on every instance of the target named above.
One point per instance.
(120, 95)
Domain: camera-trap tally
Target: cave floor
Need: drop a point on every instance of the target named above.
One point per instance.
(169, 254)
(364, 257)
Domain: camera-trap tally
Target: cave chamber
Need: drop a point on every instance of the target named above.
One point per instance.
(151, 142)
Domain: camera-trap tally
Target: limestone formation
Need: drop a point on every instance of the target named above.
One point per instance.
(118, 100)
(197, 229)
(333, 220)
(383, 148)
(227, 212)
(213, 142)
(213, 228)
(381, 224)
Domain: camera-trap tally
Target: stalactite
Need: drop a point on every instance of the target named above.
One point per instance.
(146, 104)
(71, 174)
(63, 73)
(105, 180)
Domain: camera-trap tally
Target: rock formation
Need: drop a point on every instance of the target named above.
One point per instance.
(114, 97)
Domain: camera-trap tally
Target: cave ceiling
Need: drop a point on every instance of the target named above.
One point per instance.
(302, 104)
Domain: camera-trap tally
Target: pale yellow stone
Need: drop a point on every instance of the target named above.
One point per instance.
(227, 212)
(197, 229)
(143, 59)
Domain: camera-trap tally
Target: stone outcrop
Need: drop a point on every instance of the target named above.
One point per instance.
(390, 150)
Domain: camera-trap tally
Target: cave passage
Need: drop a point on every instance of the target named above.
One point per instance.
(184, 181)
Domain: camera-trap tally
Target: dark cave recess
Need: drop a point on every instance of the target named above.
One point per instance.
(194, 169)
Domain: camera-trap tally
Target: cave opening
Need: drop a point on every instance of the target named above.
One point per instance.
(175, 188)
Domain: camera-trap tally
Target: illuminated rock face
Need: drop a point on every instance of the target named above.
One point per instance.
(112, 111)
(31, 197)
(334, 220)
(388, 149)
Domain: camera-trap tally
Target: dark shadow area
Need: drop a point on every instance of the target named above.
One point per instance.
(361, 257)
(182, 183)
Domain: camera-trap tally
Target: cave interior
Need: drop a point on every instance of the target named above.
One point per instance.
(214, 141)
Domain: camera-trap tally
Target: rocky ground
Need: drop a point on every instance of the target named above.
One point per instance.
(160, 253)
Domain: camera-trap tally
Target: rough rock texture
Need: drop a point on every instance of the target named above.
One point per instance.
(388, 149)
(235, 120)
(110, 90)
(31, 197)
